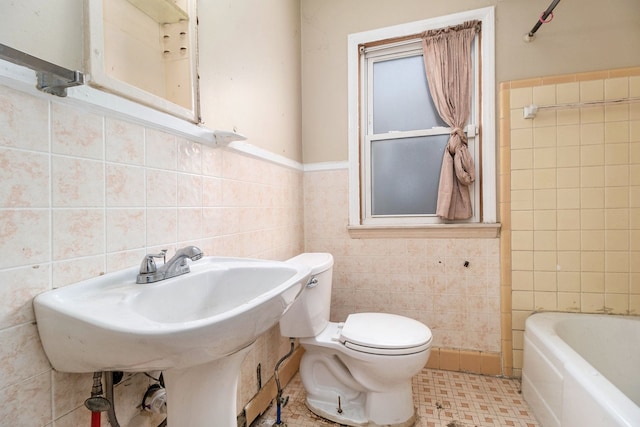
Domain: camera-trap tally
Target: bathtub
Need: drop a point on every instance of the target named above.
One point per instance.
(582, 370)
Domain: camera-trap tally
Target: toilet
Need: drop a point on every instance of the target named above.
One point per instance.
(357, 372)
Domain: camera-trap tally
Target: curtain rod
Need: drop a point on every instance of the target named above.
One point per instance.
(543, 19)
(52, 78)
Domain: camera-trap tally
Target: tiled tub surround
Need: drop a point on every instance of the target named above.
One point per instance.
(570, 200)
(424, 279)
(82, 194)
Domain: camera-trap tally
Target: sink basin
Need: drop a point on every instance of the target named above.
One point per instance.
(189, 326)
(110, 323)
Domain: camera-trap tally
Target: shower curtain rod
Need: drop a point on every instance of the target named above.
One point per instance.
(541, 20)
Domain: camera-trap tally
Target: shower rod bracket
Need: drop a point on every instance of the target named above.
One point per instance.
(545, 17)
(56, 85)
(51, 78)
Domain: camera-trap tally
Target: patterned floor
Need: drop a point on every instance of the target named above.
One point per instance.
(443, 399)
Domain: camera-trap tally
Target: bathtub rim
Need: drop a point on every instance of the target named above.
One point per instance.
(540, 330)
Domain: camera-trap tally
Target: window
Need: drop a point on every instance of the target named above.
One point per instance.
(397, 138)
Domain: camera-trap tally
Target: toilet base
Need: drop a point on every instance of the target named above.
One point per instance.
(351, 416)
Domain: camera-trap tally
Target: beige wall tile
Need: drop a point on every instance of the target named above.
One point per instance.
(569, 301)
(616, 88)
(584, 252)
(592, 90)
(124, 142)
(569, 240)
(544, 158)
(522, 220)
(591, 155)
(616, 132)
(76, 132)
(569, 261)
(521, 159)
(521, 138)
(592, 114)
(568, 177)
(544, 95)
(24, 179)
(522, 179)
(616, 113)
(568, 135)
(521, 97)
(545, 220)
(592, 303)
(567, 93)
(567, 198)
(569, 281)
(545, 281)
(592, 176)
(591, 198)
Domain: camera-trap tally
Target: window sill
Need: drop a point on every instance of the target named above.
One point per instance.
(435, 231)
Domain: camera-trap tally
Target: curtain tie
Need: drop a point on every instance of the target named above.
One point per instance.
(460, 132)
(454, 144)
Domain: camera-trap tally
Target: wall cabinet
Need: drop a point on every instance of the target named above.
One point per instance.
(145, 50)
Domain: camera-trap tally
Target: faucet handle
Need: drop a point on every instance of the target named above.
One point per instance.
(149, 265)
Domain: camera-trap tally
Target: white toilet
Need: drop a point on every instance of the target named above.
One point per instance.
(356, 373)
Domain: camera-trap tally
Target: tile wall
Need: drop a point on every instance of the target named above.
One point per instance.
(82, 194)
(421, 278)
(570, 200)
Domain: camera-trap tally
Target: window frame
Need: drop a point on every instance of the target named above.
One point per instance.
(485, 211)
(397, 50)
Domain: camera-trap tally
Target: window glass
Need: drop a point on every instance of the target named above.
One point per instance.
(405, 174)
(401, 97)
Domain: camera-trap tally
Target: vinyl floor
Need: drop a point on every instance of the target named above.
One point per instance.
(442, 399)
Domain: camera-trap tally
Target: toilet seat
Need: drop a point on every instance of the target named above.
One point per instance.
(384, 334)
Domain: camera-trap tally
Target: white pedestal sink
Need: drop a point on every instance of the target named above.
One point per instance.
(196, 328)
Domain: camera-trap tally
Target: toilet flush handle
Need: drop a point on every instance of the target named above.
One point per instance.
(313, 282)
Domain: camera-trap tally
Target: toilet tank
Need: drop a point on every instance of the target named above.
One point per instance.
(309, 314)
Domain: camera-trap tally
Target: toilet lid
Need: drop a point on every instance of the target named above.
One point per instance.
(383, 333)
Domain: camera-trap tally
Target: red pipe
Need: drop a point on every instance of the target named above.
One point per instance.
(95, 419)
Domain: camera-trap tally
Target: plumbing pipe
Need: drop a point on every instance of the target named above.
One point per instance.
(279, 400)
(97, 403)
(95, 419)
(111, 413)
(543, 19)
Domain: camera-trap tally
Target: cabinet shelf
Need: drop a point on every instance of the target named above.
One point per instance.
(162, 11)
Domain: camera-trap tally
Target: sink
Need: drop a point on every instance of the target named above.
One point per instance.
(196, 328)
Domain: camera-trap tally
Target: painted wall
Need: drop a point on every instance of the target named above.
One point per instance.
(249, 54)
(584, 36)
(52, 31)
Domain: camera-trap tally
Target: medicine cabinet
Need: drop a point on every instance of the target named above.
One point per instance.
(145, 50)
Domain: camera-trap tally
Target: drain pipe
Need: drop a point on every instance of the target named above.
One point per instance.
(280, 401)
(97, 403)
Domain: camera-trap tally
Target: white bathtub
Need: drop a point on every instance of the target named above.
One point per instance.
(582, 370)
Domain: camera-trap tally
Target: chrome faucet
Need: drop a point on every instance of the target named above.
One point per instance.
(176, 266)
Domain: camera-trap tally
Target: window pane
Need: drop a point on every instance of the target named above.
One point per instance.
(405, 174)
(401, 97)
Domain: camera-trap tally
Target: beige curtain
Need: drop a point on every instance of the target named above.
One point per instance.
(447, 58)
